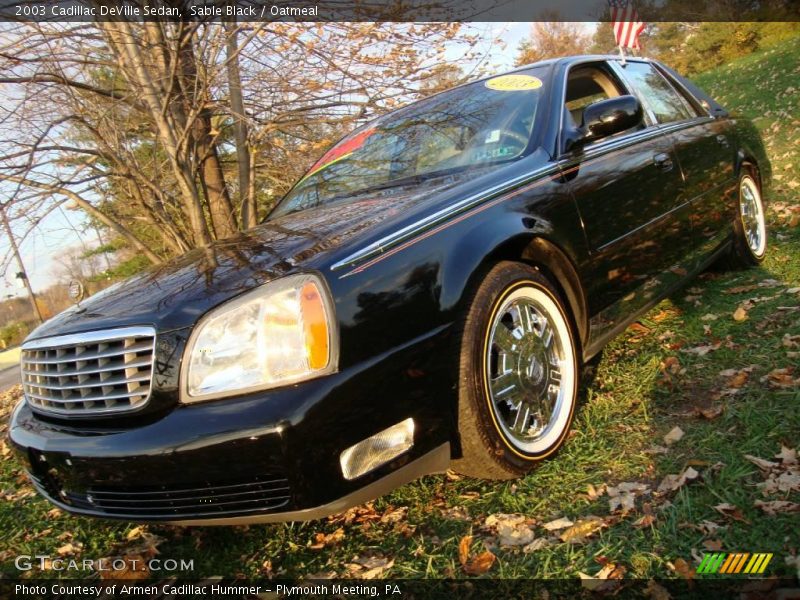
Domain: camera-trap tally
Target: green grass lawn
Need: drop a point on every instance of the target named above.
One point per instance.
(687, 364)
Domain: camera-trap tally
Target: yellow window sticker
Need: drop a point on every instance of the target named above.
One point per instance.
(514, 83)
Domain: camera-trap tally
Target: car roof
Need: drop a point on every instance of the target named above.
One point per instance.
(564, 60)
(568, 60)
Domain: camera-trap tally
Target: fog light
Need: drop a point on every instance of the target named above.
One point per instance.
(377, 450)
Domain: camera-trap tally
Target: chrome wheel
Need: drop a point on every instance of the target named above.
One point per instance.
(751, 210)
(530, 370)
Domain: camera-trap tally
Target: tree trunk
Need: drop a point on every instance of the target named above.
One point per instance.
(247, 200)
(213, 179)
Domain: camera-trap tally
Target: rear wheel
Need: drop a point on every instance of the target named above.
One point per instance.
(750, 226)
(518, 374)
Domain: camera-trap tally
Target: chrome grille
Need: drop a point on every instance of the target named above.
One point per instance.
(90, 373)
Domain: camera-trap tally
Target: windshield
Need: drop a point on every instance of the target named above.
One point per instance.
(473, 126)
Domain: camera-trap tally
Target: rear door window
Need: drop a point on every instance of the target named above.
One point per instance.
(664, 103)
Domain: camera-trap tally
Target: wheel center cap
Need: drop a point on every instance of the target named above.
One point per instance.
(535, 370)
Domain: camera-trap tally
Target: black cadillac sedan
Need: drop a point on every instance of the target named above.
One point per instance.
(423, 298)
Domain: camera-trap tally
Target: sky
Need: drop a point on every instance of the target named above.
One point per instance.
(64, 230)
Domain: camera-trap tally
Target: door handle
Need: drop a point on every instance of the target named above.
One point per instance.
(722, 140)
(663, 161)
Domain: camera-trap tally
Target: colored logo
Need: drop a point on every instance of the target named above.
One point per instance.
(733, 563)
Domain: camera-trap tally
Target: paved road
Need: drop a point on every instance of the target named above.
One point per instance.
(9, 377)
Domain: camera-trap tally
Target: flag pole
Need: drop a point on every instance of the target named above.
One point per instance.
(621, 55)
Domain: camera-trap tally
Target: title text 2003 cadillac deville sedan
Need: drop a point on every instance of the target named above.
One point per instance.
(423, 297)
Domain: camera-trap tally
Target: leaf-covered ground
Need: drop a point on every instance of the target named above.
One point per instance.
(684, 442)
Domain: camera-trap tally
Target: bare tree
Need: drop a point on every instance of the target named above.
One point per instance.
(174, 134)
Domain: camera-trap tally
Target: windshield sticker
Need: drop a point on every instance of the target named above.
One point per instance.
(514, 83)
(342, 150)
(492, 137)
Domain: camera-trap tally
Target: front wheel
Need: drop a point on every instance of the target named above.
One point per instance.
(750, 226)
(518, 374)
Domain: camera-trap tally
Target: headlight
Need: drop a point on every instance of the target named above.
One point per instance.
(280, 333)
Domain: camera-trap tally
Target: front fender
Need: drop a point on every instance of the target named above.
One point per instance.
(518, 236)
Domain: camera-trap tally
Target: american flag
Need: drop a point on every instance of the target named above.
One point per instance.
(626, 23)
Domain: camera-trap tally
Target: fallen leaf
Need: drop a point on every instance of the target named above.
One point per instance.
(135, 533)
(709, 317)
(774, 507)
(671, 364)
(512, 529)
(740, 289)
(648, 518)
(321, 540)
(560, 523)
(582, 529)
(787, 455)
(760, 462)
(395, 515)
(671, 483)
(606, 580)
(711, 412)
(463, 549)
(537, 544)
(790, 341)
(783, 482)
(480, 563)
(703, 349)
(623, 496)
(369, 567)
(67, 549)
(644, 521)
(739, 379)
(593, 493)
(740, 314)
(709, 527)
(682, 568)
(713, 545)
(731, 511)
(781, 378)
(323, 575)
(675, 435)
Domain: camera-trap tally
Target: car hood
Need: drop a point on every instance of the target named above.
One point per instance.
(175, 294)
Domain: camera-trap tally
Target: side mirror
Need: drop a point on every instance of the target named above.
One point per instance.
(608, 117)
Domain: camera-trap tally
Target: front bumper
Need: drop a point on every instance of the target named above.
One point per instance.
(269, 456)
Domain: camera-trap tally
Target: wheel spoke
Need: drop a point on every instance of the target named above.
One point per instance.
(547, 335)
(505, 340)
(504, 386)
(531, 320)
(521, 420)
